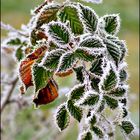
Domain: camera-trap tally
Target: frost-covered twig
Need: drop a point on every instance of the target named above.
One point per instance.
(9, 28)
(7, 98)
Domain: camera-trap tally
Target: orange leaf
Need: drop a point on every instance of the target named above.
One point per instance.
(25, 66)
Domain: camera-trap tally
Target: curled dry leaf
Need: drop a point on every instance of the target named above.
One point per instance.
(47, 94)
(25, 66)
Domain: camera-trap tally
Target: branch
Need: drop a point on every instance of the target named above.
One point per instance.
(9, 94)
(11, 29)
(110, 124)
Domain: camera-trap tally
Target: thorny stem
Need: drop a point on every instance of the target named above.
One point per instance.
(110, 124)
(82, 124)
(87, 74)
(6, 101)
(106, 119)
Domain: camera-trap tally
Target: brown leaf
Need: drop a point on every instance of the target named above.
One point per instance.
(25, 66)
(47, 94)
(63, 74)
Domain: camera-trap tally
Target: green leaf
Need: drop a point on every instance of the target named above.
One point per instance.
(123, 75)
(96, 67)
(77, 92)
(52, 46)
(97, 131)
(40, 77)
(112, 23)
(94, 83)
(62, 117)
(59, 33)
(89, 18)
(84, 54)
(79, 73)
(123, 101)
(127, 126)
(121, 44)
(110, 81)
(48, 14)
(15, 41)
(66, 62)
(119, 92)
(89, 113)
(75, 111)
(90, 99)
(70, 13)
(113, 50)
(111, 102)
(19, 53)
(125, 112)
(86, 136)
(93, 120)
(52, 59)
(92, 42)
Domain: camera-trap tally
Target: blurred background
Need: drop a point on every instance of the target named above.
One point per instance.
(27, 123)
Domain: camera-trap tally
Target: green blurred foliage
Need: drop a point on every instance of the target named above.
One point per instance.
(17, 12)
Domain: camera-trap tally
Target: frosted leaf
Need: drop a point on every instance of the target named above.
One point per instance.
(76, 92)
(40, 77)
(86, 54)
(66, 62)
(119, 91)
(70, 13)
(93, 42)
(89, 99)
(89, 19)
(111, 102)
(62, 117)
(79, 73)
(98, 131)
(110, 81)
(127, 126)
(113, 50)
(97, 67)
(111, 24)
(47, 14)
(51, 60)
(58, 33)
(86, 135)
(74, 110)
